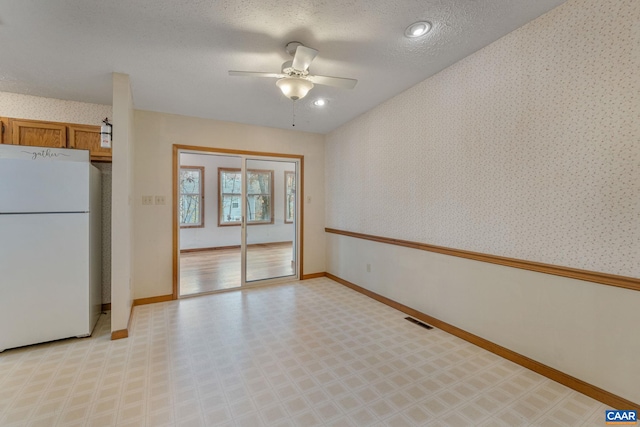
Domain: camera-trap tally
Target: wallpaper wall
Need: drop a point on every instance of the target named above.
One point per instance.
(529, 148)
(53, 110)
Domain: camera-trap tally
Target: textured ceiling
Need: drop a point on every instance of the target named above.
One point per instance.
(177, 52)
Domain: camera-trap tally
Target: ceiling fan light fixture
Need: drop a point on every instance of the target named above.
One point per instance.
(294, 88)
(417, 29)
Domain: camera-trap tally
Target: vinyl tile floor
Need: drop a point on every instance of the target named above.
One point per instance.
(310, 353)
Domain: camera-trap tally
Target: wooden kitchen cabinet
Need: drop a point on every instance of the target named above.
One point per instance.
(38, 134)
(86, 137)
(53, 134)
(5, 135)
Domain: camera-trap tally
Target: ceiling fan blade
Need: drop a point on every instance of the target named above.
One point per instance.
(333, 81)
(256, 74)
(303, 57)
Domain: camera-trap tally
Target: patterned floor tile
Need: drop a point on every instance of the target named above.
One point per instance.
(312, 353)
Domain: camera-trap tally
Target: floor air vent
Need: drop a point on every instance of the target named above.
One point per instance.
(419, 323)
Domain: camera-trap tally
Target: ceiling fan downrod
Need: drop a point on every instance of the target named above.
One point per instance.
(293, 114)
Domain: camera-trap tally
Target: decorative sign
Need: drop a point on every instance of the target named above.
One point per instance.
(42, 153)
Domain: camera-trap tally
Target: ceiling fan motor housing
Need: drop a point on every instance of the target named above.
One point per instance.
(287, 68)
(291, 47)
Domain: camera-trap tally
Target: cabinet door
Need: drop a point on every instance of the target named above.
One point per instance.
(87, 137)
(38, 134)
(5, 134)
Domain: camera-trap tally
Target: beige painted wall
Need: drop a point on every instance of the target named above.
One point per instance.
(155, 135)
(527, 149)
(121, 206)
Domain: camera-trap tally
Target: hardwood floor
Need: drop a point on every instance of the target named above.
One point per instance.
(216, 269)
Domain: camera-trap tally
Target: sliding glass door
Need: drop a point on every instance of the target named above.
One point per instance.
(271, 221)
(238, 220)
(210, 214)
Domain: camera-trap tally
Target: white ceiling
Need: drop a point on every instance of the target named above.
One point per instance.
(178, 52)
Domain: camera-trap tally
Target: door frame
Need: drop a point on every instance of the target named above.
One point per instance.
(225, 151)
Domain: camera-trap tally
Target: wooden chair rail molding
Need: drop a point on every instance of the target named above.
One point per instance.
(576, 384)
(574, 273)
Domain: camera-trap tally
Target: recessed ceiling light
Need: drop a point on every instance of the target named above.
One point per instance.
(320, 102)
(417, 29)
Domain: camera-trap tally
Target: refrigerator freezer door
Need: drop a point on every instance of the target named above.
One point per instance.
(36, 179)
(44, 278)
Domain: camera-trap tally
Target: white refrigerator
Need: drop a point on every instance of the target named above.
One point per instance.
(50, 245)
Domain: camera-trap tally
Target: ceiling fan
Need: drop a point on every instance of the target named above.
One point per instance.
(294, 79)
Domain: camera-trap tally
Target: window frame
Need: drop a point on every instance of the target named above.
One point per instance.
(286, 197)
(200, 200)
(221, 170)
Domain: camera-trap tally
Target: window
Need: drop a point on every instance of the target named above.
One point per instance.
(259, 196)
(289, 196)
(191, 196)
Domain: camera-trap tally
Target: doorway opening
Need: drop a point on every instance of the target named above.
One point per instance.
(237, 219)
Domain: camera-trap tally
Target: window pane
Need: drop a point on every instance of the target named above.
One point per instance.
(291, 207)
(290, 182)
(231, 211)
(258, 182)
(290, 195)
(190, 198)
(230, 182)
(258, 208)
(190, 181)
(190, 209)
